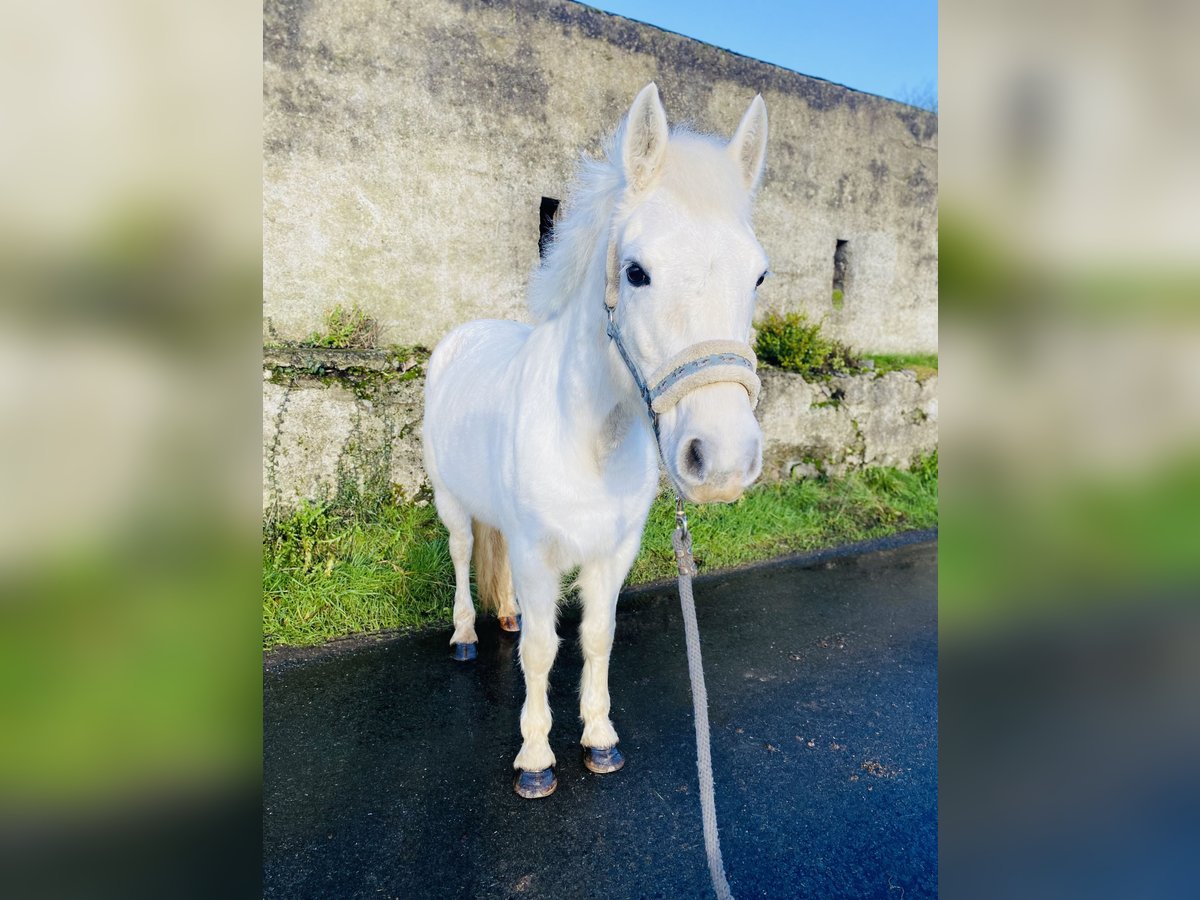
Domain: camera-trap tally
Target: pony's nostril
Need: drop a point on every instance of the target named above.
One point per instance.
(693, 460)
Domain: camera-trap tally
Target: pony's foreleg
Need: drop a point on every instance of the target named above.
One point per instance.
(458, 524)
(599, 584)
(538, 587)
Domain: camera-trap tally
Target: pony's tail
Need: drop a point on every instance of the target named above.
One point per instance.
(493, 576)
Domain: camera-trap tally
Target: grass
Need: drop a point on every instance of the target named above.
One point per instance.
(924, 364)
(1079, 546)
(328, 574)
(789, 516)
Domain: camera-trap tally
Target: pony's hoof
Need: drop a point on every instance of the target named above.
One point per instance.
(602, 761)
(511, 624)
(532, 785)
(466, 652)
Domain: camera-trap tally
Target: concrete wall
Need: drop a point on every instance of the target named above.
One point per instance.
(408, 146)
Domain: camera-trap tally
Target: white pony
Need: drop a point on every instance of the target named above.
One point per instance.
(536, 438)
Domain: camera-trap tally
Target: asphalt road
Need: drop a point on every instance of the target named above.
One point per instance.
(388, 766)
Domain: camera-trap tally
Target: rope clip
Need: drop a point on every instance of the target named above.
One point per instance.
(681, 521)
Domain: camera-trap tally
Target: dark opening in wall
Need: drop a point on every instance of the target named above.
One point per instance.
(839, 273)
(546, 224)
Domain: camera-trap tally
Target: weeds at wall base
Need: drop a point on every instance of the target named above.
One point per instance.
(345, 329)
(792, 343)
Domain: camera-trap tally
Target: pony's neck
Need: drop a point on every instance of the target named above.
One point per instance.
(599, 399)
(591, 370)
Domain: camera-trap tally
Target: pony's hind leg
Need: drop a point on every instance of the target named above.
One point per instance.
(538, 586)
(509, 613)
(599, 584)
(458, 523)
(493, 576)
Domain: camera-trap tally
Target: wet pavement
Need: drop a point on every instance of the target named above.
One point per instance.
(388, 766)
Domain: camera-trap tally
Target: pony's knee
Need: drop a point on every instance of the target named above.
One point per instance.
(596, 641)
(597, 629)
(539, 644)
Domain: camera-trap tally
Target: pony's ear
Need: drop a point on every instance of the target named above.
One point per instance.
(748, 146)
(644, 139)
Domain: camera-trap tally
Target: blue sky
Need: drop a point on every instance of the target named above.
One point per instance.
(886, 48)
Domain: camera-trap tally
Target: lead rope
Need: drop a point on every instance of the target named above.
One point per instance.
(682, 542)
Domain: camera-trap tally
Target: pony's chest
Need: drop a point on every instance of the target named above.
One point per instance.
(597, 526)
(587, 510)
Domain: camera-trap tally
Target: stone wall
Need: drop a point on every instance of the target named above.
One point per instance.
(347, 422)
(407, 148)
(849, 422)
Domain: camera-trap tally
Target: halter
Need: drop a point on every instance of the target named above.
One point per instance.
(707, 362)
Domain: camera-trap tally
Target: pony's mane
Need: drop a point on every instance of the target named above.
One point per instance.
(581, 226)
(581, 233)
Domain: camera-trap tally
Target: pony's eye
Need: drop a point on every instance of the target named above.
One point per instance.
(636, 275)
(760, 280)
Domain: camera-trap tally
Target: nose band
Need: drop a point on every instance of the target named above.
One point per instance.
(708, 362)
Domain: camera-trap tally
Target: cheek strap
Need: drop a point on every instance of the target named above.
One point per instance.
(612, 277)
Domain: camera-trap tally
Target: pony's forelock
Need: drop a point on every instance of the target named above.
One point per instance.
(700, 174)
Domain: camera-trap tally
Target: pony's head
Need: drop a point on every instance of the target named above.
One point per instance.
(683, 269)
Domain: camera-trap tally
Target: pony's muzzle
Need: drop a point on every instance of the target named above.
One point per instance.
(717, 469)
